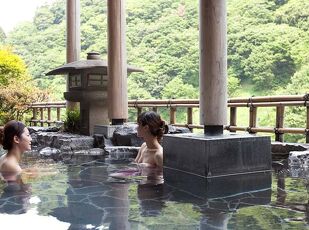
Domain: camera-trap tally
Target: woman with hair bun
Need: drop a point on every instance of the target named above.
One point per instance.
(16, 139)
(151, 128)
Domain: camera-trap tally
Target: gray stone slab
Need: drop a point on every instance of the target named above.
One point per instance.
(212, 156)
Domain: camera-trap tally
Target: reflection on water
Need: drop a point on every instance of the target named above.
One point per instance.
(84, 197)
(15, 196)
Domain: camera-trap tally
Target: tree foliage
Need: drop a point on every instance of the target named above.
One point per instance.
(268, 45)
(267, 41)
(11, 66)
(295, 13)
(16, 97)
(176, 88)
(17, 89)
(2, 36)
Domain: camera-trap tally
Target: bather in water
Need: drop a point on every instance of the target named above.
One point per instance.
(16, 140)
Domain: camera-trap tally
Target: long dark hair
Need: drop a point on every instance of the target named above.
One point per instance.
(156, 125)
(11, 129)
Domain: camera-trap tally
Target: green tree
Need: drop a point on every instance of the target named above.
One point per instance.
(17, 89)
(233, 86)
(2, 36)
(294, 13)
(295, 116)
(267, 41)
(16, 97)
(176, 88)
(135, 92)
(11, 67)
(44, 18)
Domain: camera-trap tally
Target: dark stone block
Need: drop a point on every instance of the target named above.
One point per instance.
(174, 130)
(126, 135)
(212, 156)
(286, 148)
(100, 141)
(256, 186)
(35, 129)
(106, 130)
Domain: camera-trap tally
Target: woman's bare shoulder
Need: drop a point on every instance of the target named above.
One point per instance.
(9, 165)
(159, 157)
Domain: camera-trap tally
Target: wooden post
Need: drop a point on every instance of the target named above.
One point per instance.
(233, 117)
(48, 116)
(73, 39)
(34, 116)
(252, 118)
(213, 65)
(190, 117)
(173, 115)
(117, 62)
(307, 131)
(279, 122)
(281, 192)
(42, 116)
(58, 114)
(139, 111)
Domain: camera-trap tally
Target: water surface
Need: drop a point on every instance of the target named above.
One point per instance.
(83, 196)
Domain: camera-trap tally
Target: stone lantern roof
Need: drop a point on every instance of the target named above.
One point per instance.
(93, 61)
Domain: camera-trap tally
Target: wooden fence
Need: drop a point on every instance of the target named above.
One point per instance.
(253, 103)
(38, 115)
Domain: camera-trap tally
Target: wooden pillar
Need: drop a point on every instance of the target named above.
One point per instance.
(307, 125)
(190, 117)
(279, 122)
(213, 65)
(48, 116)
(42, 116)
(34, 116)
(139, 111)
(58, 114)
(172, 115)
(252, 118)
(73, 39)
(117, 62)
(233, 117)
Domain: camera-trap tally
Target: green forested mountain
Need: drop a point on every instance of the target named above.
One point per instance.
(268, 45)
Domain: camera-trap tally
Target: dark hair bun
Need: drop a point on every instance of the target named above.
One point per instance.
(156, 125)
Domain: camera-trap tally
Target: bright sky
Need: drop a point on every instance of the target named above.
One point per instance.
(13, 12)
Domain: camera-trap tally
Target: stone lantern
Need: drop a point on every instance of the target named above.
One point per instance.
(88, 82)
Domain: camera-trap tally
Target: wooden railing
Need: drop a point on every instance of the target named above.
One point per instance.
(38, 116)
(253, 103)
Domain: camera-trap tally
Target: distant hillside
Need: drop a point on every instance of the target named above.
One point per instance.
(268, 44)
